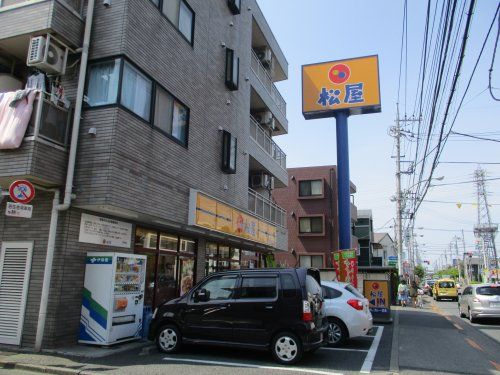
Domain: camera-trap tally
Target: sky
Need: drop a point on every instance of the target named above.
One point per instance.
(324, 30)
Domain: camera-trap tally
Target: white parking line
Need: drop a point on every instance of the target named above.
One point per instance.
(237, 364)
(346, 349)
(368, 363)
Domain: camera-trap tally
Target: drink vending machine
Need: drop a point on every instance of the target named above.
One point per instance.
(113, 298)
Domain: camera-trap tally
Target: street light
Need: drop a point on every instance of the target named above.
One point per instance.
(440, 178)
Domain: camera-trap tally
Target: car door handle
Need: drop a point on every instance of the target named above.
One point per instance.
(269, 307)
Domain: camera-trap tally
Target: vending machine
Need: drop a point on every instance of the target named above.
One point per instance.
(113, 297)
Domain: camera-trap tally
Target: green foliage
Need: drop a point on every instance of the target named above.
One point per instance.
(451, 272)
(420, 271)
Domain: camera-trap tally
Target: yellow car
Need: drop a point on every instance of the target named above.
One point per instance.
(445, 288)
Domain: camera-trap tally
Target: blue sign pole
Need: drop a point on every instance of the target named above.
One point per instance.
(343, 181)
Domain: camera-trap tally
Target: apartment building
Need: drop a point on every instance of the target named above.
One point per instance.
(174, 155)
(364, 232)
(310, 199)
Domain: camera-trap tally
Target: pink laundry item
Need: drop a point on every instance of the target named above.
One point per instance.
(14, 121)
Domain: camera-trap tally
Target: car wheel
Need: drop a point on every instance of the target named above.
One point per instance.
(168, 339)
(337, 332)
(471, 318)
(462, 315)
(286, 348)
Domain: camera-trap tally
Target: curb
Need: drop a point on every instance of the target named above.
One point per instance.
(43, 369)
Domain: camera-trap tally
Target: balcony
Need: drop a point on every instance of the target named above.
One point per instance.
(260, 136)
(22, 18)
(266, 209)
(266, 81)
(42, 156)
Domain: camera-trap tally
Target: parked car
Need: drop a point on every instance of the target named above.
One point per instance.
(347, 311)
(480, 301)
(445, 288)
(428, 287)
(280, 310)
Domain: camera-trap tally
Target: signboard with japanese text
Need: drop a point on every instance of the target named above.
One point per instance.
(103, 231)
(345, 263)
(351, 85)
(215, 215)
(19, 210)
(377, 293)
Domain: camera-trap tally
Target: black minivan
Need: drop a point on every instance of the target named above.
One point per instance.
(276, 309)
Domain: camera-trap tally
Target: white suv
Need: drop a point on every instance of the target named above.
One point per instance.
(347, 311)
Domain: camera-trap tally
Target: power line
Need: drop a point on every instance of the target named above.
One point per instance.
(475, 137)
(466, 182)
(462, 203)
(468, 162)
(493, 61)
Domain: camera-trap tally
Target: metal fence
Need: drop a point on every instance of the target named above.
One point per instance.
(266, 209)
(266, 80)
(260, 136)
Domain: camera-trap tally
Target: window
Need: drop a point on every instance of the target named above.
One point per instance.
(259, 287)
(221, 258)
(232, 70)
(330, 293)
(311, 225)
(446, 284)
(103, 83)
(311, 188)
(220, 288)
(235, 6)
(229, 147)
(315, 261)
(488, 290)
(180, 14)
(288, 285)
(354, 291)
(136, 91)
(171, 117)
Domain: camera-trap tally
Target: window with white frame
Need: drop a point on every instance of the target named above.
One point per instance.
(312, 224)
(311, 261)
(311, 188)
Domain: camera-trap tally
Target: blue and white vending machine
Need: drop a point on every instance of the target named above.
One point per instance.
(113, 298)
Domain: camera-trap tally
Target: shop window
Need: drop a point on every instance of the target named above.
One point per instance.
(229, 149)
(311, 261)
(168, 242)
(232, 70)
(312, 225)
(311, 188)
(234, 6)
(187, 274)
(103, 82)
(136, 91)
(187, 246)
(222, 258)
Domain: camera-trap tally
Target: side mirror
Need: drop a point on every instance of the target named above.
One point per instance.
(201, 295)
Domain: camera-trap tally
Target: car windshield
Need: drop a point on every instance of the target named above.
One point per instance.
(446, 284)
(354, 291)
(488, 291)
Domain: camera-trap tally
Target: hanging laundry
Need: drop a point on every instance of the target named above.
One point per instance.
(14, 120)
(36, 81)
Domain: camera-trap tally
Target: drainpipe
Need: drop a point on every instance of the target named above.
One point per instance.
(68, 192)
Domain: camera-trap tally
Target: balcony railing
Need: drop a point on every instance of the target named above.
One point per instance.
(260, 136)
(49, 121)
(266, 209)
(75, 4)
(266, 80)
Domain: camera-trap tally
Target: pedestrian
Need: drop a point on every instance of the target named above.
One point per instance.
(420, 298)
(414, 293)
(402, 293)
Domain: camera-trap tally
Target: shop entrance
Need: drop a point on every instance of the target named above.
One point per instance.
(170, 266)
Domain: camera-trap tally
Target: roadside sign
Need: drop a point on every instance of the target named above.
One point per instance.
(377, 293)
(22, 191)
(19, 210)
(350, 85)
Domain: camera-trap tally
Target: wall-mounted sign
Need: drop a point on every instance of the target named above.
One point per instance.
(103, 231)
(19, 210)
(22, 191)
(351, 85)
(215, 215)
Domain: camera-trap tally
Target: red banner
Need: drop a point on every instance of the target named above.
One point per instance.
(345, 263)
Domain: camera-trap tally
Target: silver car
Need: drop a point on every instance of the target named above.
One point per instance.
(480, 301)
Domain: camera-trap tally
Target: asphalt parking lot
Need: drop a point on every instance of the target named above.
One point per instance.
(360, 355)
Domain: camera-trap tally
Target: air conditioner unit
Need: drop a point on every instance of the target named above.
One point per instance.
(259, 181)
(264, 118)
(46, 55)
(265, 56)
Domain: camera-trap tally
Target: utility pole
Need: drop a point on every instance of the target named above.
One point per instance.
(399, 221)
(466, 269)
(458, 259)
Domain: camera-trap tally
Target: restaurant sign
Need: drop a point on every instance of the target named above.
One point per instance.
(209, 213)
(351, 85)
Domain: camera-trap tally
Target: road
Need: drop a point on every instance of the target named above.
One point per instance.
(432, 340)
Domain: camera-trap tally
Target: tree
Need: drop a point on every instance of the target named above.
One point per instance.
(420, 272)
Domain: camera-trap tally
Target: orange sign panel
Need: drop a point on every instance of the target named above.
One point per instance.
(351, 85)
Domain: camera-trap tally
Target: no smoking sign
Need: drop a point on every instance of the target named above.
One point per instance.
(22, 191)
